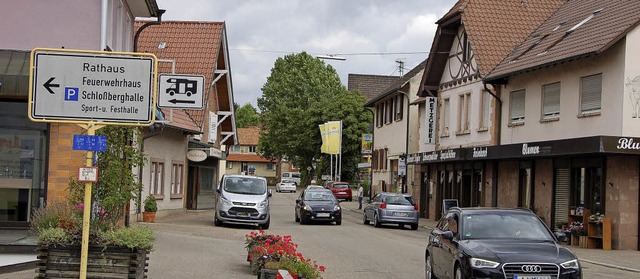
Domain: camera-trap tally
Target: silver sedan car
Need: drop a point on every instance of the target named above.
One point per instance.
(391, 208)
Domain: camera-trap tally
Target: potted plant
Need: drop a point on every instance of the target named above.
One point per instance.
(113, 248)
(268, 253)
(150, 208)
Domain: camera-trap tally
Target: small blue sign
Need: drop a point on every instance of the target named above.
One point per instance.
(71, 93)
(91, 143)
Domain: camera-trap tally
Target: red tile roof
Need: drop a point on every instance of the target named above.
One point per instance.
(553, 42)
(494, 28)
(248, 136)
(196, 48)
(236, 157)
(370, 86)
(178, 118)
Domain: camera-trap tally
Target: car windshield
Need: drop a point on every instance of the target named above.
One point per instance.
(396, 200)
(319, 196)
(245, 185)
(340, 186)
(296, 175)
(503, 226)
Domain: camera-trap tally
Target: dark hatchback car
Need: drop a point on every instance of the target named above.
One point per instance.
(317, 205)
(496, 243)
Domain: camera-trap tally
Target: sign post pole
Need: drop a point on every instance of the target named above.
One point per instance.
(86, 215)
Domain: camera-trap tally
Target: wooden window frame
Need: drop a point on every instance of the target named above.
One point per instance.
(177, 179)
(156, 180)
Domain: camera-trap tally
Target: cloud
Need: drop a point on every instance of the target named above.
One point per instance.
(369, 33)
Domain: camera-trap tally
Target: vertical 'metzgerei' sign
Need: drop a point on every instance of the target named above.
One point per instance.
(432, 106)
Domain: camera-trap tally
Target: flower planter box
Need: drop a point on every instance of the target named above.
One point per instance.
(149, 217)
(273, 274)
(106, 263)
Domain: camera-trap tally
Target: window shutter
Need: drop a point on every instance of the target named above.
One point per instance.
(562, 191)
(591, 93)
(517, 106)
(551, 100)
(486, 109)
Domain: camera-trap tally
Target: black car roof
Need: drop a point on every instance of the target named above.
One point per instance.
(480, 210)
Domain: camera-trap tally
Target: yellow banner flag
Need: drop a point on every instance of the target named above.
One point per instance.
(323, 135)
(334, 131)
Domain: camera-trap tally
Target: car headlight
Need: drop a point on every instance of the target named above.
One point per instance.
(226, 202)
(572, 264)
(307, 208)
(336, 208)
(482, 263)
(263, 204)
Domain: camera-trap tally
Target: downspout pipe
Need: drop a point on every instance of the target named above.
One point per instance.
(405, 184)
(103, 25)
(498, 125)
(144, 26)
(373, 138)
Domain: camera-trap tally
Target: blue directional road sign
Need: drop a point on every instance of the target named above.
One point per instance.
(90, 143)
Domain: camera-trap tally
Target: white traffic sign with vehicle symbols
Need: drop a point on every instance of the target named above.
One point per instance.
(78, 86)
(180, 91)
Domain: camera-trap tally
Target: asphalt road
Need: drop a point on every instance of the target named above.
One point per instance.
(189, 246)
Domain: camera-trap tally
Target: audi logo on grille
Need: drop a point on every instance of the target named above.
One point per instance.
(531, 268)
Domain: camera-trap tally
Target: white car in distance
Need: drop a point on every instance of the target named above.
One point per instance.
(286, 185)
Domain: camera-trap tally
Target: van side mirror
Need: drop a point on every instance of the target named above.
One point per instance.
(447, 235)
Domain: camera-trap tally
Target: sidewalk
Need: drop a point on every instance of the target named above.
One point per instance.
(619, 259)
(17, 250)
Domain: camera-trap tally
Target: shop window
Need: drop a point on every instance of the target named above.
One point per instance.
(525, 188)
(587, 190)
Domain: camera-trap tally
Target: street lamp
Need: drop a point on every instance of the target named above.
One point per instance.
(331, 57)
(405, 180)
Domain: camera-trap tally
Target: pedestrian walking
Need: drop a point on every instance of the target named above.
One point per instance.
(360, 194)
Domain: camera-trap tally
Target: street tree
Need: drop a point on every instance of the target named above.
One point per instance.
(247, 116)
(301, 93)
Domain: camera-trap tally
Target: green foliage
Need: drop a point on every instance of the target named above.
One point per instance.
(308, 269)
(150, 204)
(301, 93)
(133, 237)
(118, 184)
(54, 215)
(54, 236)
(247, 116)
(61, 223)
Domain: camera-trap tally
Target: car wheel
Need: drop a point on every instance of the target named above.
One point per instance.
(428, 268)
(414, 227)
(339, 222)
(265, 226)
(216, 221)
(376, 222)
(364, 219)
(458, 273)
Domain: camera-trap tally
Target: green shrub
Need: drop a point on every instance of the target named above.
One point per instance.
(54, 236)
(133, 237)
(150, 204)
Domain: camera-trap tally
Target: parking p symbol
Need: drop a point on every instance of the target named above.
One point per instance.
(71, 94)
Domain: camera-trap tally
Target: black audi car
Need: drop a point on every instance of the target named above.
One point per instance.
(318, 205)
(496, 243)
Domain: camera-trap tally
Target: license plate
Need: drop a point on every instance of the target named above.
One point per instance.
(400, 214)
(243, 214)
(323, 214)
(342, 193)
(531, 277)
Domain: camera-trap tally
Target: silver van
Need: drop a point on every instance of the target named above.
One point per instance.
(242, 199)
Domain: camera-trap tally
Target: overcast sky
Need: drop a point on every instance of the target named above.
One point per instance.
(370, 34)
